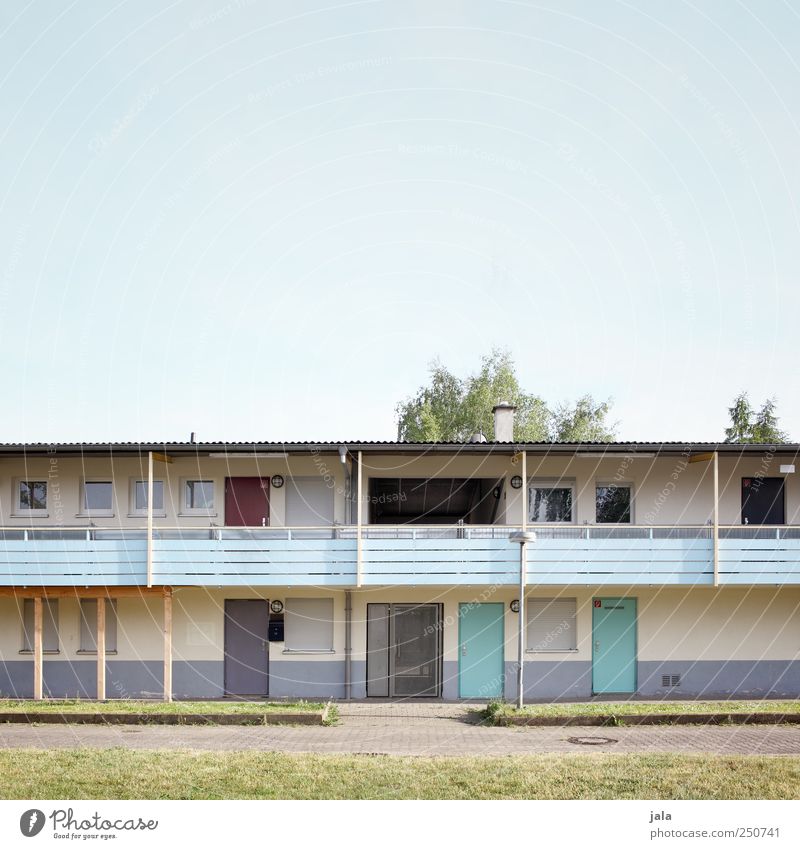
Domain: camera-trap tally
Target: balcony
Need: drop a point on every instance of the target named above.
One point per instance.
(403, 555)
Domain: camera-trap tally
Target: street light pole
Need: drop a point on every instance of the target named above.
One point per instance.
(523, 539)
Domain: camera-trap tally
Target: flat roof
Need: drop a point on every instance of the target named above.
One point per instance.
(256, 449)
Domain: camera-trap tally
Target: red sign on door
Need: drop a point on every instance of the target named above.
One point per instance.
(598, 603)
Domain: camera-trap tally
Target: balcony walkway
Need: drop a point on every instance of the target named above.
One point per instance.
(400, 555)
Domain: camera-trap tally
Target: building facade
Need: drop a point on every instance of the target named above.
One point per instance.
(396, 570)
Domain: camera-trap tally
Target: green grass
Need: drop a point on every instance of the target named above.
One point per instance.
(132, 774)
(497, 711)
(134, 706)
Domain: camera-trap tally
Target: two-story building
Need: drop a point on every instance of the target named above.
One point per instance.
(385, 569)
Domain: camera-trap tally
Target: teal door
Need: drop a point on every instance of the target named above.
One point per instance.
(614, 645)
(480, 651)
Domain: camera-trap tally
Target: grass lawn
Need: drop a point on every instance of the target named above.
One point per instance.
(497, 710)
(130, 774)
(134, 706)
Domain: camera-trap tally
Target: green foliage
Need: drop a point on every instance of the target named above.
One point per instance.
(748, 426)
(450, 409)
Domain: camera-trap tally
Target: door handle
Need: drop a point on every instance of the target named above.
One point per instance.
(597, 644)
(463, 649)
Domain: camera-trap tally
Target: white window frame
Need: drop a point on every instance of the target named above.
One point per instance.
(133, 512)
(85, 512)
(52, 604)
(618, 485)
(539, 646)
(112, 626)
(186, 510)
(552, 483)
(21, 512)
(288, 619)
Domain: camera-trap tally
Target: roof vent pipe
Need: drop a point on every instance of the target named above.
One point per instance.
(503, 421)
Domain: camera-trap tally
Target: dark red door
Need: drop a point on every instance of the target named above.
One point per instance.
(247, 501)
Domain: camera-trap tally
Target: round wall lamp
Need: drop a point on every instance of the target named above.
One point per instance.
(276, 606)
(516, 482)
(277, 481)
(514, 606)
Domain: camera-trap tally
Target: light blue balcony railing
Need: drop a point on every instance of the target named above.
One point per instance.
(621, 556)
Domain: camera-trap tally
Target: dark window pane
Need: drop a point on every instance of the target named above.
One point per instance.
(98, 495)
(613, 503)
(550, 504)
(141, 495)
(199, 495)
(33, 495)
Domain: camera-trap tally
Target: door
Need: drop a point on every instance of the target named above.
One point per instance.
(480, 655)
(247, 502)
(762, 501)
(246, 647)
(614, 645)
(414, 658)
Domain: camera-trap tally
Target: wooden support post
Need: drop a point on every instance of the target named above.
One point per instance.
(149, 518)
(716, 519)
(524, 492)
(101, 648)
(37, 648)
(359, 502)
(168, 647)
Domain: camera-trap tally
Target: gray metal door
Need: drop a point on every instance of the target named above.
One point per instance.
(414, 658)
(246, 647)
(378, 617)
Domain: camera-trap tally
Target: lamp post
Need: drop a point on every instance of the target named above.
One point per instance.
(523, 539)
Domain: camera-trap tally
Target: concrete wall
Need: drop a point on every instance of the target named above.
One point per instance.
(721, 642)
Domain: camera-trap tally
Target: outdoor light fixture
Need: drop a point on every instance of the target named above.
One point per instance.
(276, 606)
(343, 454)
(514, 606)
(787, 469)
(516, 482)
(277, 481)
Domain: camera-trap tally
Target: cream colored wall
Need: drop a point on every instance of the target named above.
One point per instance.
(667, 490)
(65, 476)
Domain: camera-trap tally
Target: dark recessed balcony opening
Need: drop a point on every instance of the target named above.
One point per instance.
(434, 501)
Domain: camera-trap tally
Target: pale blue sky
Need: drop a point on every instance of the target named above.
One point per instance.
(262, 220)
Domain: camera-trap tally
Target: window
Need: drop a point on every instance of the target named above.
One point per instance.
(32, 497)
(49, 625)
(308, 624)
(139, 497)
(613, 503)
(550, 502)
(551, 624)
(98, 498)
(198, 496)
(89, 625)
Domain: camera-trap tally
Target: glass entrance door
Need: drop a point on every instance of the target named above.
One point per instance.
(414, 657)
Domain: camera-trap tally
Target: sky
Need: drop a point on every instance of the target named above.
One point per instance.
(263, 220)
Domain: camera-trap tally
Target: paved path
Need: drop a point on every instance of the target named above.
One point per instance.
(412, 729)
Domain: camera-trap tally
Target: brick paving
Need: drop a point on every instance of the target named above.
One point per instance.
(409, 728)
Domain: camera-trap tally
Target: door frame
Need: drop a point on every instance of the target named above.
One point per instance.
(226, 620)
(635, 601)
(391, 643)
(502, 645)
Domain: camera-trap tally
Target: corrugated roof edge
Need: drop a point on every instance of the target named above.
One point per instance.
(670, 447)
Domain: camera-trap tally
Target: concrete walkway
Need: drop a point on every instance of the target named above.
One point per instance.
(409, 728)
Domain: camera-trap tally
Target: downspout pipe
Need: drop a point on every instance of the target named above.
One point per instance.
(348, 644)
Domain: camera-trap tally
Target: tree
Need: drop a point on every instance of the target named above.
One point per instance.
(450, 409)
(747, 426)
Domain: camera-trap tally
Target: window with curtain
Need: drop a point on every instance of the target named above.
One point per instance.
(49, 625)
(89, 625)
